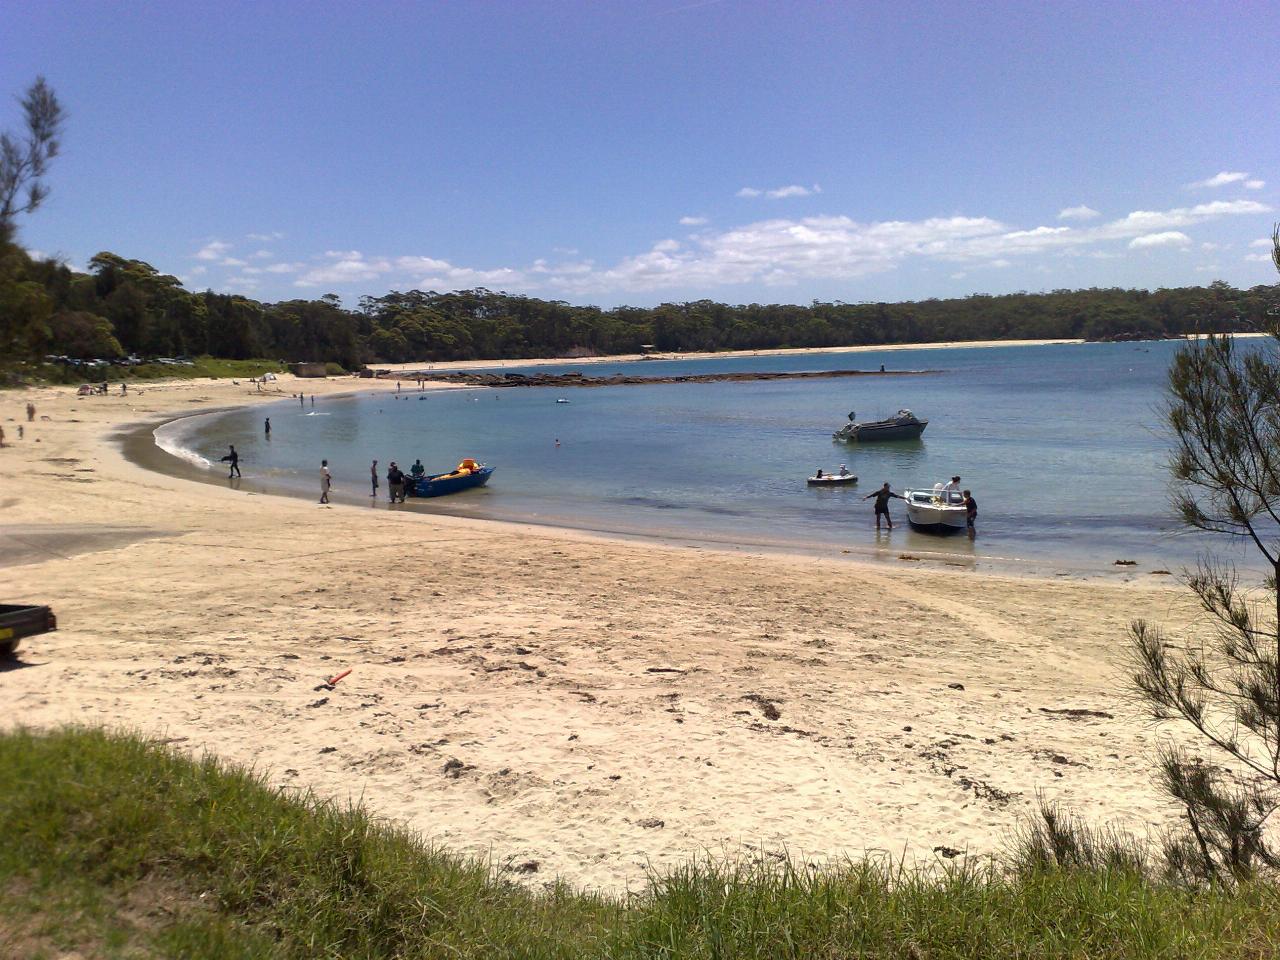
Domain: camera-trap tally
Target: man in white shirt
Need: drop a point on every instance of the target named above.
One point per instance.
(326, 481)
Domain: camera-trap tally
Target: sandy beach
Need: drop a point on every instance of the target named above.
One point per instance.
(569, 705)
(705, 355)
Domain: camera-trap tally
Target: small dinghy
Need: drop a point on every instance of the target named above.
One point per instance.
(841, 479)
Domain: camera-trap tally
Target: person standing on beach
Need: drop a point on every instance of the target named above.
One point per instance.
(313, 399)
(302, 400)
(883, 496)
(326, 481)
(373, 478)
(395, 483)
(267, 426)
(31, 412)
(234, 459)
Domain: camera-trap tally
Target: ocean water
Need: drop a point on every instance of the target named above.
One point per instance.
(1062, 445)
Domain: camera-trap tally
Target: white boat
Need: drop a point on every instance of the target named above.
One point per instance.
(833, 479)
(935, 510)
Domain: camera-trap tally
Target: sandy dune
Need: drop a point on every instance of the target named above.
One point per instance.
(570, 705)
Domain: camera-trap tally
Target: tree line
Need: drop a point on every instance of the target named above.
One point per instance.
(122, 306)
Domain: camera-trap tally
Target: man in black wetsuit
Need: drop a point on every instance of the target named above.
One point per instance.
(970, 513)
(883, 496)
(234, 459)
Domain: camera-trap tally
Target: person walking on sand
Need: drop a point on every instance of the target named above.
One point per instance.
(373, 478)
(234, 459)
(326, 481)
(31, 412)
(267, 426)
(883, 496)
(970, 514)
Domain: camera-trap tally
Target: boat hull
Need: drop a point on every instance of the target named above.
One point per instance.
(930, 512)
(442, 484)
(836, 481)
(880, 432)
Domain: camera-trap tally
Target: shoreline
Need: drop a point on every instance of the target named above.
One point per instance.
(139, 445)
(710, 354)
(592, 704)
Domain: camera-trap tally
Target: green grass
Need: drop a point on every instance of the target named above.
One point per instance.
(116, 847)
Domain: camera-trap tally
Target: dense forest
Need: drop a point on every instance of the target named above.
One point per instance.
(124, 307)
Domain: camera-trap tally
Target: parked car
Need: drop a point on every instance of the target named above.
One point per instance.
(19, 620)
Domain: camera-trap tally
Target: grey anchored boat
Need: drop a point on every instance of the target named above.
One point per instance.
(904, 425)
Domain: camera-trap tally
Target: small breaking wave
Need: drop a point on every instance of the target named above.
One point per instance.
(172, 439)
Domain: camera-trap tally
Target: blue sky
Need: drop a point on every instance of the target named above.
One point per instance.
(639, 152)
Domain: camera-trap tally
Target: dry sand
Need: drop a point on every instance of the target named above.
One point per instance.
(570, 705)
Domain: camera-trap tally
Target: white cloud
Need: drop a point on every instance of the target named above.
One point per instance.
(1078, 213)
(781, 193)
(1169, 238)
(692, 221)
(232, 262)
(1210, 246)
(1227, 177)
(197, 271)
(214, 250)
(1262, 242)
(1221, 179)
(442, 275)
(959, 275)
(263, 255)
(784, 251)
(348, 267)
(265, 237)
(1258, 257)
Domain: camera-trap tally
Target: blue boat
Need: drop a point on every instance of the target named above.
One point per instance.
(468, 474)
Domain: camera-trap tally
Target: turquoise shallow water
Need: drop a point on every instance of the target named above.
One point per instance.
(1062, 446)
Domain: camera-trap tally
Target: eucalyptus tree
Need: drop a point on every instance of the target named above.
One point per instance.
(24, 158)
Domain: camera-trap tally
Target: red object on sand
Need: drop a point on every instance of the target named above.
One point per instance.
(333, 680)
